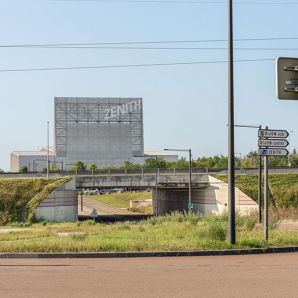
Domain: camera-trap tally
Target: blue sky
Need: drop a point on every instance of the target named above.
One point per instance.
(184, 106)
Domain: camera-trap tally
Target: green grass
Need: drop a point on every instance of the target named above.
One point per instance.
(165, 233)
(284, 188)
(14, 193)
(121, 200)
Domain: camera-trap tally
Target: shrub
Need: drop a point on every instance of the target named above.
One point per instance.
(23, 169)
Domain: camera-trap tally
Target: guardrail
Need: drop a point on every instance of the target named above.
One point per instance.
(160, 171)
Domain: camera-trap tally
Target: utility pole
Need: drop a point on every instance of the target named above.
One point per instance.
(48, 154)
(231, 162)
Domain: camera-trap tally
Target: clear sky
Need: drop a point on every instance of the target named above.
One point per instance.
(185, 106)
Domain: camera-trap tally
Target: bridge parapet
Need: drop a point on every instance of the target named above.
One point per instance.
(141, 181)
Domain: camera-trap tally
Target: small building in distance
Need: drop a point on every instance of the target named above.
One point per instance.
(35, 161)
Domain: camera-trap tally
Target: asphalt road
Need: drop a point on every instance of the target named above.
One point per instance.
(273, 275)
(106, 213)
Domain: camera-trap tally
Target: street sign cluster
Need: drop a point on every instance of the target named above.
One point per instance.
(287, 78)
(269, 139)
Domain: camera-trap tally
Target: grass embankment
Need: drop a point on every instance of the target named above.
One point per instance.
(165, 233)
(15, 193)
(283, 192)
(122, 200)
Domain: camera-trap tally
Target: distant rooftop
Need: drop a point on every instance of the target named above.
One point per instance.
(32, 153)
(159, 153)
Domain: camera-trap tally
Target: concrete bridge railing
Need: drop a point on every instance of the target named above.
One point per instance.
(142, 181)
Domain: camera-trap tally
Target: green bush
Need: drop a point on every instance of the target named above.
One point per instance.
(23, 169)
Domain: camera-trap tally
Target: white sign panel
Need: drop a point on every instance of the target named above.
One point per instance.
(272, 143)
(273, 152)
(269, 133)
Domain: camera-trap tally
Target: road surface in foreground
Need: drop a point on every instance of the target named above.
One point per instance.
(272, 275)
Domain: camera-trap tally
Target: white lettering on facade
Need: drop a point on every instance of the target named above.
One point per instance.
(123, 109)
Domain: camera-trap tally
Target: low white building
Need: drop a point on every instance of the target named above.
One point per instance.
(34, 160)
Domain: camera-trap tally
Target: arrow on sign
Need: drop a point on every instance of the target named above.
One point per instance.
(269, 133)
(273, 152)
(272, 143)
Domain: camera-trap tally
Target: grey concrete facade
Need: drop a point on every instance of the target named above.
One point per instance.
(104, 131)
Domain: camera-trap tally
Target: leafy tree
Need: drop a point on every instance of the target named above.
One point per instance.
(44, 169)
(54, 168)
(93, 166)
(104, 167)
(128, 165)
(150, 163)
(182, 163)
(23, 169)
(79, 166)
(1, 171)
(222, 162)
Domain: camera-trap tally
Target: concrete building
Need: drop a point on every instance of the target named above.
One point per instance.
(35, 161)
(104, 131)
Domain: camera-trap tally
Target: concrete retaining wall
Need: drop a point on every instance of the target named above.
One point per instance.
(60, 205)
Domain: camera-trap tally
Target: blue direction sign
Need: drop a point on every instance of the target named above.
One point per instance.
(190, 205)
(273, 152)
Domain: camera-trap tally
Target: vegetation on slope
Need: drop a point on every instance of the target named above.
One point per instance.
(15, 193)
(283, 188)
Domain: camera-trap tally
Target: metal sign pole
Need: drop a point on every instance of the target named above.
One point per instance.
(190, 186)
(266, 195)
(260, 189)
(156, 199)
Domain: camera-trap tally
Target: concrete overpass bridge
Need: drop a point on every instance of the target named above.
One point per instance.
(208, 193)
(141, 181)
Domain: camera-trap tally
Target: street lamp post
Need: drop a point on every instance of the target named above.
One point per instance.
(35, 164)
(190, 185)
(156, 196)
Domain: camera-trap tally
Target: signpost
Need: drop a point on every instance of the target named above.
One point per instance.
(267, 140)
(94, 214)
(263, 133)
(273, 152)
(272, 143)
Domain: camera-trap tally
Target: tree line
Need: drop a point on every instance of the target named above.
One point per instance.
(251, 160)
